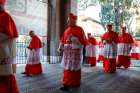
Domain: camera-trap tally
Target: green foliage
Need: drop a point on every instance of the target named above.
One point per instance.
(107, 14)
(115, 11)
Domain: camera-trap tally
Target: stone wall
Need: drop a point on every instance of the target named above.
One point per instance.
(29, 15)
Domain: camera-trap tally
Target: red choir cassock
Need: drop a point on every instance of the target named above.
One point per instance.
(33, 66)
(110, 40)
(124, 48)
(8, 33)
(72, 54)
(91, 49)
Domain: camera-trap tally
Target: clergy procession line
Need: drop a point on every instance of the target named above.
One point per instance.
(114, 51)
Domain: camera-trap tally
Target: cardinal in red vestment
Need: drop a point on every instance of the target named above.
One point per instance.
(110, 40)
(33, 66)
(8, 35)
(91, 50)
(124, 48)
(72, 42)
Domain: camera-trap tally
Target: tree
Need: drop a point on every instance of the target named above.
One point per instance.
(115, 11)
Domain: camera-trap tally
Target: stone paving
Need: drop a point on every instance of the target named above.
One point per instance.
(94, 80)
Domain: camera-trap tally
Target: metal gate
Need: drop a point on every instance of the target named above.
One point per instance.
(22, 53)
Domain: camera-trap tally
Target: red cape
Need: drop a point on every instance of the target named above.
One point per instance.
(35, 43)
(92, 40)
(7, 25)
(111, 35)
(75, 31)
(125, 38)
(2, 1)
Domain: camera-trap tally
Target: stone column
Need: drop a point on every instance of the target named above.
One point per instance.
(51, 27)
(73, 6)
(65, 10)
(57, 22)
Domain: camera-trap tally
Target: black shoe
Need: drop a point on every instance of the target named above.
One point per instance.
(23, 73)
(92, 65)
(64, 88)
